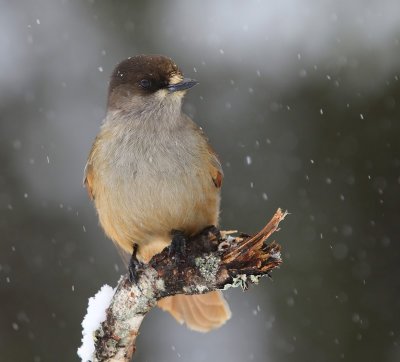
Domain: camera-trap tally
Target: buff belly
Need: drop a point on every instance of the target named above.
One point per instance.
(139, 210)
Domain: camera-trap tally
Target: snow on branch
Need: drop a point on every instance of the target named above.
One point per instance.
(214, 260)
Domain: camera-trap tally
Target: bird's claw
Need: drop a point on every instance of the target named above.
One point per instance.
(177, 249)
(135, 267)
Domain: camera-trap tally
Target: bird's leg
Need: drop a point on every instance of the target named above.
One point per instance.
(210, 243)
(213, 230)
(177, 249)
(135, 266)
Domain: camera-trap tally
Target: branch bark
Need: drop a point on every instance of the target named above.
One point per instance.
(214, 260)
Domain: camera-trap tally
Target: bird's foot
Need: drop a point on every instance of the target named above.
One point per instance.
(135, 267)
(211, 229)
(177, 249)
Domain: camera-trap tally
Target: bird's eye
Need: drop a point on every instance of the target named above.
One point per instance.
(145, 83)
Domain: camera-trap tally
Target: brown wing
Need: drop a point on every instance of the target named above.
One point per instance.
(88, 183)
(215, 167)
(217, 174)
(88, 180)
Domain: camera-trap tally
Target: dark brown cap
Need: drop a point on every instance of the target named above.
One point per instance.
(144, 73)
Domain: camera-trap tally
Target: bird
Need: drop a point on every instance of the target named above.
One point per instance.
(151, 170)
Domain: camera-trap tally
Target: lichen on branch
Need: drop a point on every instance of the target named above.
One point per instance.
(213, 260)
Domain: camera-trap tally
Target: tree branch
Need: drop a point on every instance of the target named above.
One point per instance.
(214, 260)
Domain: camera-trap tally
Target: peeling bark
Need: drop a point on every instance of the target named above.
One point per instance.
(214, 260)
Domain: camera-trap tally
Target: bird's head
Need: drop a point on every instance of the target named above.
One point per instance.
(147, 81)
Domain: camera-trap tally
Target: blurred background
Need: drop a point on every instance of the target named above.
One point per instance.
(301, 101)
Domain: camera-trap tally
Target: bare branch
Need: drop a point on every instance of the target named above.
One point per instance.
(213, 261)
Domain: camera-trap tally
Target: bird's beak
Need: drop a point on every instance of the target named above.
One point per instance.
(186, 83)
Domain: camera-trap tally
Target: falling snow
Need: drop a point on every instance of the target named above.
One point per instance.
(300, 118)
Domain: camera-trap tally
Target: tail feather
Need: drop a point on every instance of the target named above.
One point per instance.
(201, 313)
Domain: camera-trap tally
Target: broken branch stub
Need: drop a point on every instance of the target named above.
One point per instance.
(212, 261)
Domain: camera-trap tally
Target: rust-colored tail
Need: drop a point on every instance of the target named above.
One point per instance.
(201, 313)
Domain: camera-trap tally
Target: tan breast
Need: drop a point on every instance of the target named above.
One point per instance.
(146, 186)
